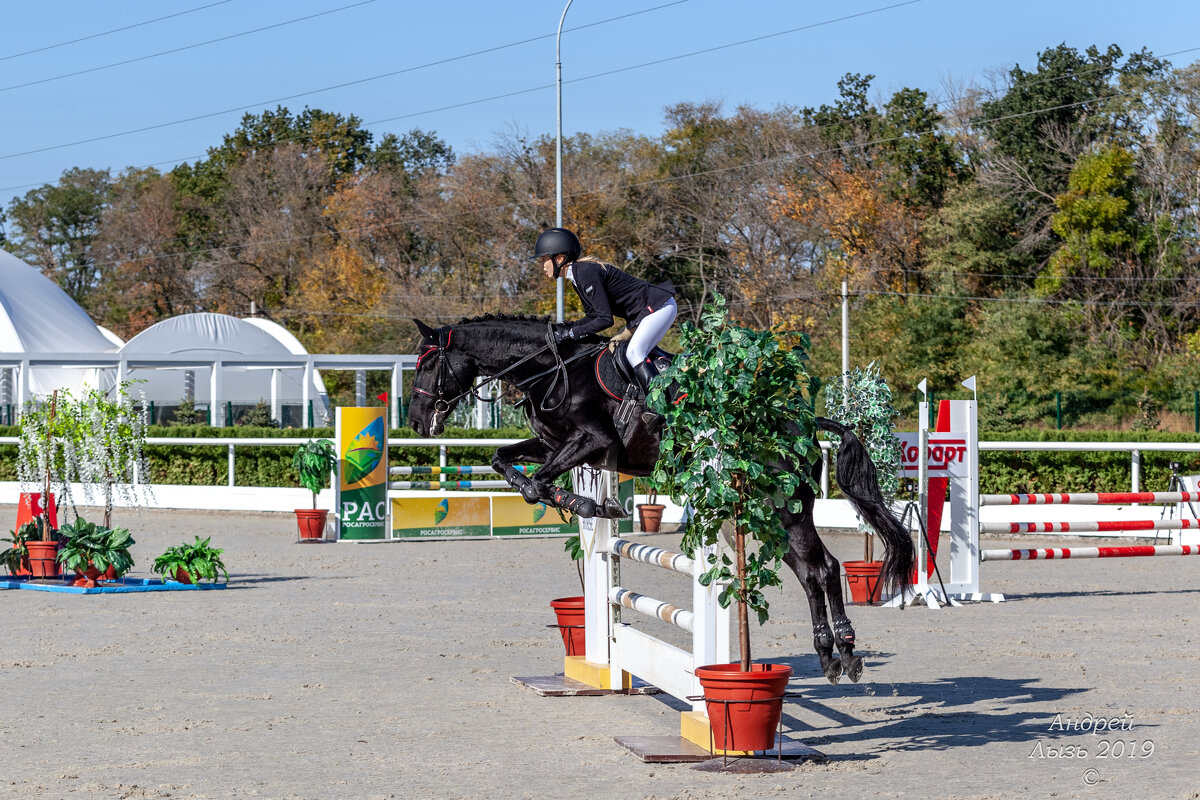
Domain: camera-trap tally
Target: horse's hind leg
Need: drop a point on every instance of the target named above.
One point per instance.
(799, 558)
(843, 631)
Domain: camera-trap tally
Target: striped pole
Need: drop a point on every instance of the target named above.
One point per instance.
(1053, 553)
(676, 562)
(1088, 498)
(1090, 526)
(469, 470)
(411, 485)
(679, 617)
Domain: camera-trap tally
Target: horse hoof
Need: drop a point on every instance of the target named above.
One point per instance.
(854, 669)
(612, 509)
(834, 672)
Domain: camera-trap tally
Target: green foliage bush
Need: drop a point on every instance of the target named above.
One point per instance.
(1027, 471)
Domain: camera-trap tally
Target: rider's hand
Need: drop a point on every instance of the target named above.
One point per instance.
(563, 333)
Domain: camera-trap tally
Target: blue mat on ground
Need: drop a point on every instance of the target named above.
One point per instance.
(104, 587)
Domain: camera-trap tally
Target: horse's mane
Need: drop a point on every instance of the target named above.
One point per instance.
(505, 318)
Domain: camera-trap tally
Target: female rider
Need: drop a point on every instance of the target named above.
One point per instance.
(605, 291)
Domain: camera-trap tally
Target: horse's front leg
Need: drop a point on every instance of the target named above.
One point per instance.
(530, 451)
(577, 450)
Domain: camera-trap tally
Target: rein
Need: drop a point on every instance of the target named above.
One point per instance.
(441, 405)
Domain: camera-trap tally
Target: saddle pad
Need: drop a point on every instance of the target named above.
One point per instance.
(613, 372)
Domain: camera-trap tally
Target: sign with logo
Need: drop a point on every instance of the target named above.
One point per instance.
(947, 454)
(625, 495)
(362, 473)
(512, 516)
(427, 517)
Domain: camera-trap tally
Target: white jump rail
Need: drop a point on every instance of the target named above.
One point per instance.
(616, 649)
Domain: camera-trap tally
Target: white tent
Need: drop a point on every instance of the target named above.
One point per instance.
(207, 336)
(36, 316)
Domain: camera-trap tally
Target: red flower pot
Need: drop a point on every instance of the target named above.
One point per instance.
(744, 707)
(311, 522)
(181, 576)
(570, 623)
(89, 577)
(651, 516)
(863, 579)
(43, 559)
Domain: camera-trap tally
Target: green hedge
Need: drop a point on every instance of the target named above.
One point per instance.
(267, 466)
(1001, 472)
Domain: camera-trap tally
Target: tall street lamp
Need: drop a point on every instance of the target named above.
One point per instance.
(558, 221)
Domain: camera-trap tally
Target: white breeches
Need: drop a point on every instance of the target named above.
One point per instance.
(650, 332)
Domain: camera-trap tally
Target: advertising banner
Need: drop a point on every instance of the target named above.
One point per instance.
(428, 517)
(512, 516)
(362, 473)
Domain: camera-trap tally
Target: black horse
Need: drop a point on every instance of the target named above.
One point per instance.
(571, 405)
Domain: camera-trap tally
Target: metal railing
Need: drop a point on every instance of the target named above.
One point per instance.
(1135, 449)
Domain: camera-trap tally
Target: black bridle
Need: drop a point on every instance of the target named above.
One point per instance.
(442, 406)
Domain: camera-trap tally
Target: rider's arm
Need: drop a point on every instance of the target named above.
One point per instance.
(589, 284)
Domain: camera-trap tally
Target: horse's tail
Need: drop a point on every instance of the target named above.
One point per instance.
(856, 476)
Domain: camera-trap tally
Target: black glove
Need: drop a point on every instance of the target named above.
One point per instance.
(562, 333)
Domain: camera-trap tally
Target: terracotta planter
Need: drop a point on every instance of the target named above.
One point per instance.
(863, 579)
(89, 577)
(181, 576)
(569, 611)
(650, 515)
(311, 522)
(744, 707)
(43, 559)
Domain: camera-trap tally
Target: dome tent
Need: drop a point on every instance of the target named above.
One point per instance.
(213, 336)
(37, 316)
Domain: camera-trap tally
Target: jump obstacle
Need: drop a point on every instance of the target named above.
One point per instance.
(953, 455)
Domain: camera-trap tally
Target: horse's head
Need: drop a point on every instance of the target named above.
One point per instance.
(443, 377)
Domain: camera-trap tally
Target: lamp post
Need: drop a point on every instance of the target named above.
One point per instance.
(558, 221)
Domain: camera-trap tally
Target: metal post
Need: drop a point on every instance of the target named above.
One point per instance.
(845, 343)
(231, 473)
(558, 215)
(1135, 469)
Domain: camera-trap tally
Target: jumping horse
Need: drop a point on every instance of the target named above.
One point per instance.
(571, 401)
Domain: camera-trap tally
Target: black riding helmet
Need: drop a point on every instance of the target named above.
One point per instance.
(555, 241)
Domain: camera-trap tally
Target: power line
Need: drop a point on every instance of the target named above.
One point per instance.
(360, 81)
(480, 100)
(114, 30)
(185, 47)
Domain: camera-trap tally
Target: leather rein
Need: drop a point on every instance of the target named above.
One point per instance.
(441, 406)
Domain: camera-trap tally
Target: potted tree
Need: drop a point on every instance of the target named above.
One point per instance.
(95, 551)
(861, 400)
(191, 563)
(96, 441)
(743, 408)
(313, 461)
(16, 557)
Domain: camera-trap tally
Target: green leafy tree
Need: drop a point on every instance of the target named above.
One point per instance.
(746, 408)
(55, 226)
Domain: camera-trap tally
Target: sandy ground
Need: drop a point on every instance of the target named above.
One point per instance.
(382, 671)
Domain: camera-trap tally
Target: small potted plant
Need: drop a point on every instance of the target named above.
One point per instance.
(94, 551)
(650, 514)
(862, 401)
(191, 563)
(16, 557)
(742, 409)
(313, 461)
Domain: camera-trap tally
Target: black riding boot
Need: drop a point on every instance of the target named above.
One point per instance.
(644, 371)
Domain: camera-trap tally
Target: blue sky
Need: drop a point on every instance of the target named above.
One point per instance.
(928, 44)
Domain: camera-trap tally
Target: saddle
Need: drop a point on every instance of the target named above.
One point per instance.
(615, 376)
